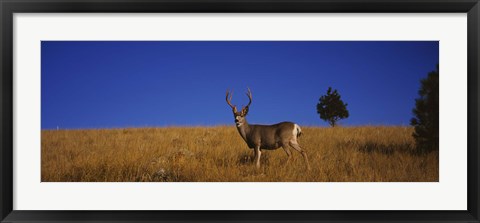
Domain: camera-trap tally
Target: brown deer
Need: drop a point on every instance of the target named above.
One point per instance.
(268, 137)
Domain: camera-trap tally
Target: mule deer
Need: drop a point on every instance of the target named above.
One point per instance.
(268, 137)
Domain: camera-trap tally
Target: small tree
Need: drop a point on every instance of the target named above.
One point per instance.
(331, 108)
(426, 113)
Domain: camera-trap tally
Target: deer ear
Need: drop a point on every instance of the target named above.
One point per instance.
(234, 109)
(245, 110)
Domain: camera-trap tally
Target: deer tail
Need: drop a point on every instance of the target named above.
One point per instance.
(298, 130)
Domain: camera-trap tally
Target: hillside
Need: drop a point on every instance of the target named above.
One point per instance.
(218, 154)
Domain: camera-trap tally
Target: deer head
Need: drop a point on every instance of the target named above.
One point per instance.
(239, 115)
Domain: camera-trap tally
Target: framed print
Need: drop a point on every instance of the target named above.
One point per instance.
(137, 111)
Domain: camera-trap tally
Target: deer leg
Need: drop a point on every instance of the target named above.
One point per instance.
(299, 149)
(287, 151)
(258, 153)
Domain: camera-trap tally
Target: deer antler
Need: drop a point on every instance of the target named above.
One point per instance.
(245, 108)
(249, 95)
(229, 103)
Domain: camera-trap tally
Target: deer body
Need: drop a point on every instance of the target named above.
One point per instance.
(267, 137)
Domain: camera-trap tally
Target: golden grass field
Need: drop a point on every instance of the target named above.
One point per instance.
(218, 154)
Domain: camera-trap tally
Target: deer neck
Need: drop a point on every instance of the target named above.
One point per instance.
(243, 129)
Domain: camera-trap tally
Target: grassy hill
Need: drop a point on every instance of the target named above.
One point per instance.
(218, 154)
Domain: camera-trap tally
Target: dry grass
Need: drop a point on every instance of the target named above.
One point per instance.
(205, 154)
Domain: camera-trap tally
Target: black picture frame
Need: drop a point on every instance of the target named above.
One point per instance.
(9, 7)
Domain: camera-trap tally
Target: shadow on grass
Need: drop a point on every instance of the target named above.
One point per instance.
(248, 159)
(387, 149)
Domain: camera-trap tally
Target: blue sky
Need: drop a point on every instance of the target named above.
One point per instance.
(116, 84)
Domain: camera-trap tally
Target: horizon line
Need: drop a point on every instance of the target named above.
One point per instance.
(215, 126)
